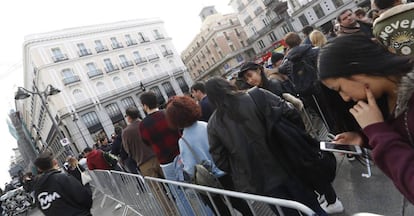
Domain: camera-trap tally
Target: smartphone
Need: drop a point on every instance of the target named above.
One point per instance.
(344, 148)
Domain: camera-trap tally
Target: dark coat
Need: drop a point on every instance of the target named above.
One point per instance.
(241, 148)
(60, 194)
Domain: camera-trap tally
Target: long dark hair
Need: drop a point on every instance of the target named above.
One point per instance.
(357, 54)
(222, 95)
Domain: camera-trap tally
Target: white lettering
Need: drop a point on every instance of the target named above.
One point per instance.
(46, 199)
(388, 29)
(404, 23)
(395, 25)
(385, 33)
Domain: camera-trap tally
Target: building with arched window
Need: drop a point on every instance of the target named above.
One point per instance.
(101, 70)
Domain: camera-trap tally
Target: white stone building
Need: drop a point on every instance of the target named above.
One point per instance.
(101, 70)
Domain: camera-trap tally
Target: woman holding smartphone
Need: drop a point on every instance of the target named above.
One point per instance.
(363, 72)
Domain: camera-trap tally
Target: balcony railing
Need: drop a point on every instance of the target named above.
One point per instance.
(144, 40)
(258, 11)
(84, 52)
(126, 64)
(140, 60)
(117, 45)
(70, 80)
(153, 57)
(101, 49)
(267, 2)
(95, 73)
(167, 53)
(58, 58)
(112, 68)
(131, 42)
(159, 37)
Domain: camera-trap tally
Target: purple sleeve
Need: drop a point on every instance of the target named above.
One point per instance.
(393, 155)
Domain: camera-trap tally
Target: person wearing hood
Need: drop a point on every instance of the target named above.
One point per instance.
(394, 27)
(363, 72)
(58, 193)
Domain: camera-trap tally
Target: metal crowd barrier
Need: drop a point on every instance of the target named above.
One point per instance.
(153, 196)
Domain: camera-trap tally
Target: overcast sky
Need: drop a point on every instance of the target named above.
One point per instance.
(24, 17)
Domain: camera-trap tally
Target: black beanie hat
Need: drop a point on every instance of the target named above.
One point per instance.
(248, 66)
(276, 57)
(357, 54)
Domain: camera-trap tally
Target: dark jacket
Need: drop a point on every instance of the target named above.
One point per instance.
(95, 160)
(60, 194)
(302, 52)
(393, 152)
(241, 149)
(133, 144)
(206, 109)
(75, 172)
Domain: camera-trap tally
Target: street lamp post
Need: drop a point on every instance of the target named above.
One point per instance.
(23, 93)
(75, 119)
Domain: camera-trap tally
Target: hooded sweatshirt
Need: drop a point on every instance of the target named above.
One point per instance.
(57, 193)
(392, 141)
(395, 29)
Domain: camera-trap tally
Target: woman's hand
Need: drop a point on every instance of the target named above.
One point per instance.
(352, 138)
(367, 113)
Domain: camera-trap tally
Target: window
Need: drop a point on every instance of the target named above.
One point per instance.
(160, 98)
(338, 3)
(128, 102)
(157, 68)
(254, 31)
(78, 95)
(90, 120)
(318, 11)
(231, 22)
(100, 86)
(225, 35)
(303, 20)
(266, 21)
(168, 89)
(272, 37)
(117, 82)
(58, 55)
(115, 43)
(114, 112)
(100, 47)
(129, 40)
(92, 70)
(232, 47)
(82, 50)
(69, 76)
(285, 29)
(221, 54)
(109, 67)
(142, 38)
(157, 35)
(237, 32)
(239, 58)
(132, 77)
(261, 44)
(124, 61)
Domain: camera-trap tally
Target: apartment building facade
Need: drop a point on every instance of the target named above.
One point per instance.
(101, 70)
(219, 49)
(317, 13)
(264, 27)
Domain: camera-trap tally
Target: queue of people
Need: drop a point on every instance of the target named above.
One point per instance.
(361, 70)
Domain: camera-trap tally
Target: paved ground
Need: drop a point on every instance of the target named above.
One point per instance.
(376, 194)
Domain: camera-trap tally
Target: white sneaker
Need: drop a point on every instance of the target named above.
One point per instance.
(333, 208)
(118, 206)
(321, 199)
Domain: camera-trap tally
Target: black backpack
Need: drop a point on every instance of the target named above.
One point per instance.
(297, 151)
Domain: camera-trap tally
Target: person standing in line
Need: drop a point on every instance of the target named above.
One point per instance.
(199, 93)
(142, 153)
(350, 25)
(156, 133)
(118, 149)
(238, 142)
(183, 113)
(95, 159)
(57, 193)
